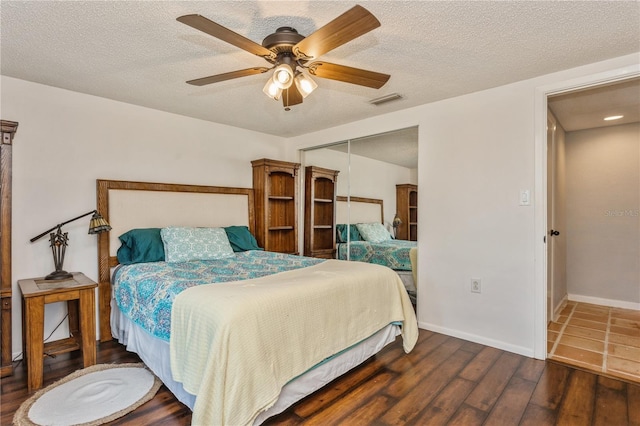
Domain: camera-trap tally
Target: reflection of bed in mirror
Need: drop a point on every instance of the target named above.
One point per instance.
(351, 245)
(160, 344)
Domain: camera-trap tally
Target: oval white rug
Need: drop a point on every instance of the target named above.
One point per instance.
(91, 396)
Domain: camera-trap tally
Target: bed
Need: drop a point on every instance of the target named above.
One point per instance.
(351, 245)
(242, 337)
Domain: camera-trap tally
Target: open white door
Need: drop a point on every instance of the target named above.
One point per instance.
(551, 127)
(556, 221)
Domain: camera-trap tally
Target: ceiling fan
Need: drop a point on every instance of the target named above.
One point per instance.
(290, 53)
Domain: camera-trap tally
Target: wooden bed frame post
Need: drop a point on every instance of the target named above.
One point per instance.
(104, 280)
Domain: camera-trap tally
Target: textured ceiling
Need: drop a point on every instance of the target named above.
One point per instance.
(136, 52)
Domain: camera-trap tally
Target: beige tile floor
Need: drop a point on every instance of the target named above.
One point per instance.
(597, 338)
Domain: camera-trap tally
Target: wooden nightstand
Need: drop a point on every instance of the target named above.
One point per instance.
(79, 293)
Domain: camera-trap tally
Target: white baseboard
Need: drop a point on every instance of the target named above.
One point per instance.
(520, 350)
(560, 307)
(604, 302)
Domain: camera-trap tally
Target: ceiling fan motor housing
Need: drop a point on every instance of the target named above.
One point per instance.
(283, 40)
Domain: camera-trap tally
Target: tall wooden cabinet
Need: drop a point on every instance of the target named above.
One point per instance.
(320, 212)
(9, 129)
(275, 185)
(407, 210)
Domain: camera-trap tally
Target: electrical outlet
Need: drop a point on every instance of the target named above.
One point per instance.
(476, 285)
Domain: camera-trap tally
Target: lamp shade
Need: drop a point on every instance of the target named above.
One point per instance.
(305, 84)
(272, 90)
(98, 224)
(396, 221)
(283, 76)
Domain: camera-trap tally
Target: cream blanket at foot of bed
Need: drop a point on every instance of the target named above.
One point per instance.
(235, 345)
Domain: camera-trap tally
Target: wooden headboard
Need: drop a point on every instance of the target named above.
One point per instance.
(363, 210)
(128, 205)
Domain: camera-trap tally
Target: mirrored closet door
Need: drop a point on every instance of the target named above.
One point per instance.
(361, 201)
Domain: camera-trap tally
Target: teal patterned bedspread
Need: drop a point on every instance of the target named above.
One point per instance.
(144, 292)
(393, 253)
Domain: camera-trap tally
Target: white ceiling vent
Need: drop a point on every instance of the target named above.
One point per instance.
(384, 99)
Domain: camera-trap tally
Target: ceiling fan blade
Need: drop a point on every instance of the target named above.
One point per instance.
(348, 74)
(346, 27)
(203, 24)
(291, 96)
(227, 76)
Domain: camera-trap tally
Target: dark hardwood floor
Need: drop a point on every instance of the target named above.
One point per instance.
(443, 381)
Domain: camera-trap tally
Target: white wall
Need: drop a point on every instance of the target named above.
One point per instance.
(66, 140)
(603, 215)
(476, 152)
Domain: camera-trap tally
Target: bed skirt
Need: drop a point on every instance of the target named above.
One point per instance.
(155, 354)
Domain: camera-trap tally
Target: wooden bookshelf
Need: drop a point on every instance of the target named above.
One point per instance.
(320, 212)
(275, 185)
(9, 129)
(407, 210)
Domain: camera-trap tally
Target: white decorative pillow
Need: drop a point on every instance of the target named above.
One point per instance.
(373, 232)
(183, 244)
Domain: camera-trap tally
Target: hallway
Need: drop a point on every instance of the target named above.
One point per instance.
(597, 338)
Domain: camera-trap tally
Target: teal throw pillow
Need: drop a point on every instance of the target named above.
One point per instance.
(341, 233)
(241, 239)
(141, 245)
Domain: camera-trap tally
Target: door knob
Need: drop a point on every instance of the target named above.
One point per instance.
(553, 232)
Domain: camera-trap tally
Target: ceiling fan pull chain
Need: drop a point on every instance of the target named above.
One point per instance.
(287, 108)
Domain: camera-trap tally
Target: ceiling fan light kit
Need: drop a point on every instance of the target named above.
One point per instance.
(272, 90)
(305, 84)
(283, 76)
(289, 52)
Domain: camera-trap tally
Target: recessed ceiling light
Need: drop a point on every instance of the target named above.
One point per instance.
(613, 117)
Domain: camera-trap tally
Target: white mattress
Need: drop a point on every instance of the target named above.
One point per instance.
(155, 354)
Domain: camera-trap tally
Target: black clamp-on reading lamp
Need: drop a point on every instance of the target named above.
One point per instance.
(59, 241)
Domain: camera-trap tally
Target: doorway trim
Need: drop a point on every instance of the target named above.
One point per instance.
(540, 188)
